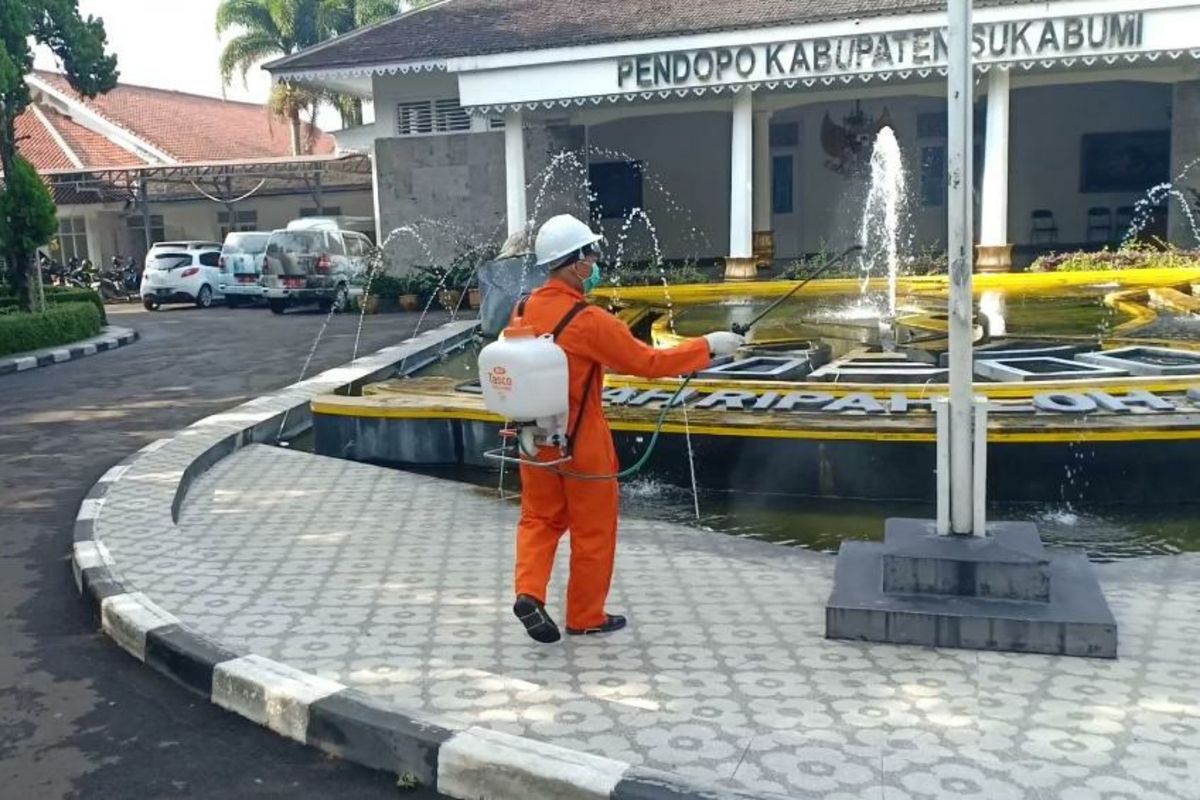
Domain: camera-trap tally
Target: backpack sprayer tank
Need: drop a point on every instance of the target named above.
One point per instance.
(525, 380)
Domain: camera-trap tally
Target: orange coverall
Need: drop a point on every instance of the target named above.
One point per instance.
(552, 503)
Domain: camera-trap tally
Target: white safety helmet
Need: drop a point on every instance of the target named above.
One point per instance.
(561, 236)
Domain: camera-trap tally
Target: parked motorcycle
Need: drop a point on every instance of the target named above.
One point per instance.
(82, 274)
(111, 288)
(51, 271)
(119, 282)
(131, 276)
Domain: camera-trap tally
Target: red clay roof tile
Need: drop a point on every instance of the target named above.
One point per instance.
(190, 127)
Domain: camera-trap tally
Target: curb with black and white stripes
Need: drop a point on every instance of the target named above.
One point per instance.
(110, 338)
(455, 759)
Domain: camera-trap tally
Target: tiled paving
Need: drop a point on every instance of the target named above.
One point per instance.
(399, 585)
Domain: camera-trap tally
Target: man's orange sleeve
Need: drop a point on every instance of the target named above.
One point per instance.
(614, 346)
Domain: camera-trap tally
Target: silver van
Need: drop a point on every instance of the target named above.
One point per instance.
(313, 261)
(241, 266)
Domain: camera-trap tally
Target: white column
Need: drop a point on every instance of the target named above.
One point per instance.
(993, 211)
(960, 240)
(762, 171)
(514, 171)
(741, 177)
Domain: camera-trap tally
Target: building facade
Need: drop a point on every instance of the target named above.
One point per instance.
(139, 165)
(744, 130)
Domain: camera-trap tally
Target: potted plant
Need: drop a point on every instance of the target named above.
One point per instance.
(410, 289)
(385, 289)
(450, 299)
(447, 283)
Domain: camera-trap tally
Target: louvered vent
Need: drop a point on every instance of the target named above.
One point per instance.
(414, 118)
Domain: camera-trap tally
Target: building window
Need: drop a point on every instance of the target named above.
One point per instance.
(933, 175)
(246, 221)
(450, 117)
(72, 238)
(157, 231)
(1124, 162)
(784, 134)
(424, 117)
(325, 211)
(616, 188)
(782, 198)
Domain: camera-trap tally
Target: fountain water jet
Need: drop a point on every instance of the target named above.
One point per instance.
(883, 214)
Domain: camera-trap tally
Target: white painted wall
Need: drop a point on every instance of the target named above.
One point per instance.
(1045, 161)
(108, 233)
(685, 149)
(828, 205)
(688, 155)
(388, 90)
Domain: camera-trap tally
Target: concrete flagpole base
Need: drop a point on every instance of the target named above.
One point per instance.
(1003, 591)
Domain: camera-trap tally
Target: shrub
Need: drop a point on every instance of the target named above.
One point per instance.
(646, 273)
(1128, 257)
(60, 324)
(57, 295)
(386, 287)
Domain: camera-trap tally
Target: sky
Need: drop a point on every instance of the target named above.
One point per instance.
(172, 44)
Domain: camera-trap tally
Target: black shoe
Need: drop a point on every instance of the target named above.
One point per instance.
(614, 622)
(537, 622)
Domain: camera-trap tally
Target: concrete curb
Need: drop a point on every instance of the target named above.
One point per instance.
(110, 338)
(448, 756)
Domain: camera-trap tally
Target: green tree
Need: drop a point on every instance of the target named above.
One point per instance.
(79, 44)
(275, 28)
(356, 14)
(27, 219)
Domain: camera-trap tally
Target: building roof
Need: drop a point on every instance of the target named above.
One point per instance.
(456, 28)
(54, 133)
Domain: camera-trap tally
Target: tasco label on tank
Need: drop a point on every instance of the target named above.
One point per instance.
(500, 380)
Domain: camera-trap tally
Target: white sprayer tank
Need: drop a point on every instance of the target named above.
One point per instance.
(524, 377)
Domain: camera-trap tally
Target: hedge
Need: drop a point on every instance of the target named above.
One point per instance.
(1123, 258)
(55, 296)
(60, 324)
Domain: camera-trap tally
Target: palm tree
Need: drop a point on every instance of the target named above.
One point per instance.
(356, 14)
(272, 28)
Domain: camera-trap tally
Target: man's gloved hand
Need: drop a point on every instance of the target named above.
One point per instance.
(723, 343)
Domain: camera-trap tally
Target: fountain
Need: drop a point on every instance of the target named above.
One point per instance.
(880, 232)
(1080, 386)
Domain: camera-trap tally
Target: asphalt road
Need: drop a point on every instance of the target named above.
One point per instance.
(79, 718)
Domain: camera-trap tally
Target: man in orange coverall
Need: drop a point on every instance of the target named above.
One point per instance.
(551, 500)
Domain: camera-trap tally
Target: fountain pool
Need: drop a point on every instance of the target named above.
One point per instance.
(1095, 415)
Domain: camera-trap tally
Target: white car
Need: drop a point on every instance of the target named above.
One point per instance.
(181, 272)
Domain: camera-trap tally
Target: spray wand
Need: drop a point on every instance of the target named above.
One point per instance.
(528, 458)
(743, 329)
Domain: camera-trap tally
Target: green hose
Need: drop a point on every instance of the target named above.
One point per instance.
(631, 470)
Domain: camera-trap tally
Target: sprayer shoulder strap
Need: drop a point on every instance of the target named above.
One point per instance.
(587, 384)
(568, 319)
